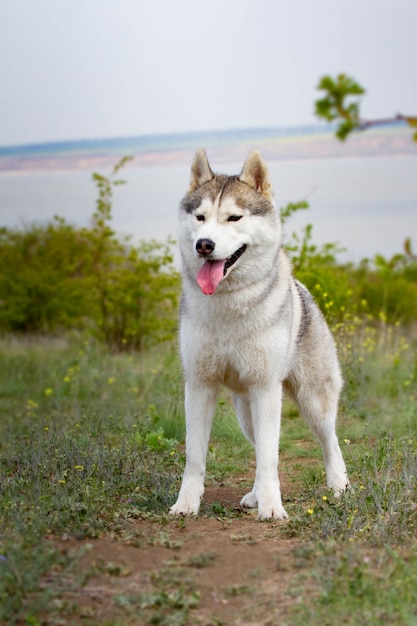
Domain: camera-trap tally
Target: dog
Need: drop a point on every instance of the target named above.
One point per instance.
(248, 324)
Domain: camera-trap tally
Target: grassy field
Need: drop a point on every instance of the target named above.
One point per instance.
(91, 440)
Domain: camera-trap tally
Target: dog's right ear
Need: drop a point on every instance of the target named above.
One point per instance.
(200, 171)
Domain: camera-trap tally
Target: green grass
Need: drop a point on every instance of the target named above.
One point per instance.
(360, 587)
(90, 439)
(78, 436)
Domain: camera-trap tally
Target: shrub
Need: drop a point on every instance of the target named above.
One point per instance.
(43, 277)
(58, 277)
(382, 289)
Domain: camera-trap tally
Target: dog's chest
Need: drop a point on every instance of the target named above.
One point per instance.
(237, 365)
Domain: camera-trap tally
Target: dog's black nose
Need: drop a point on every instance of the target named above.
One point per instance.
(205, 246)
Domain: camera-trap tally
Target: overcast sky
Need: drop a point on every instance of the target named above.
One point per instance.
(75, 69)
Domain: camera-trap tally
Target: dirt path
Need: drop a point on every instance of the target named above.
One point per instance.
(208, 571)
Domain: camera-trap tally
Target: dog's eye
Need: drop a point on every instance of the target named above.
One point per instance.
(200, 218)
(234, 218)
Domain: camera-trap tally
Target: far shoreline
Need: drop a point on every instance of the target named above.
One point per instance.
(66, 157)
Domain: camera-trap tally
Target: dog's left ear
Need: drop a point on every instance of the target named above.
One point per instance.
(200, 171)
(255, 174)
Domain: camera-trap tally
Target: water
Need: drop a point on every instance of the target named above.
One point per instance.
(367, 205)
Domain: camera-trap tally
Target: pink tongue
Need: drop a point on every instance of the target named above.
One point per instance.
(209, 276)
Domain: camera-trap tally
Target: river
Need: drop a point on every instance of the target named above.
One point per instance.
(367, 205)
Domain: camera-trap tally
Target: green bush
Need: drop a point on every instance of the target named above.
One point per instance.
(43, 278)
(389, 286)
(382, 289)
(57, 277)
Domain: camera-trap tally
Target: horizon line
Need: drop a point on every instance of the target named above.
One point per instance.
(313, 127)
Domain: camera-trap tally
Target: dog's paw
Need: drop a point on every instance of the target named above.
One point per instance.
(340, 491)
(272, 511)
(340, 485)
(268, 510)
(185, 506)
(249, 501)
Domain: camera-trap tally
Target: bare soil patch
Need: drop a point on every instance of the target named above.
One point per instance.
(240, 570)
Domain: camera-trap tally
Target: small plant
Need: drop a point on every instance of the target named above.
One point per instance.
(135, 287)
(200, 561)
(238, 590)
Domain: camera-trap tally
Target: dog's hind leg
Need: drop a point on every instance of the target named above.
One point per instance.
(318, 406)
(244, 415)
(200, 404)
(337, 478)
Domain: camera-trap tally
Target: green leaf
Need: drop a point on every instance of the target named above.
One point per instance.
(334, 106)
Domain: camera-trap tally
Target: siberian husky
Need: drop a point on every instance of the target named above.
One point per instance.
(246, 323)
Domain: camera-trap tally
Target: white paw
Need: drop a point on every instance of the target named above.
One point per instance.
(185, 505)
(249, 501)
(340, 484)
(269, 511)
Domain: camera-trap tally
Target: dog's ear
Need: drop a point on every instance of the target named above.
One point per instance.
(255, 174)
(200, 171)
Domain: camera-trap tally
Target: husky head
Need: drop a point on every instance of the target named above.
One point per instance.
(229, 227)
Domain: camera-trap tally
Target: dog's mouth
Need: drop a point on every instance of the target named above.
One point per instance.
(212, 272)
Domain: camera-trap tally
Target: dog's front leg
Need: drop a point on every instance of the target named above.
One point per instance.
(200, 404)
(266, 417)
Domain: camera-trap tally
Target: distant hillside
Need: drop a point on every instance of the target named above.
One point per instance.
(304, 142)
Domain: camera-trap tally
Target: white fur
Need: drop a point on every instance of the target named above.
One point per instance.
(247, 336)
